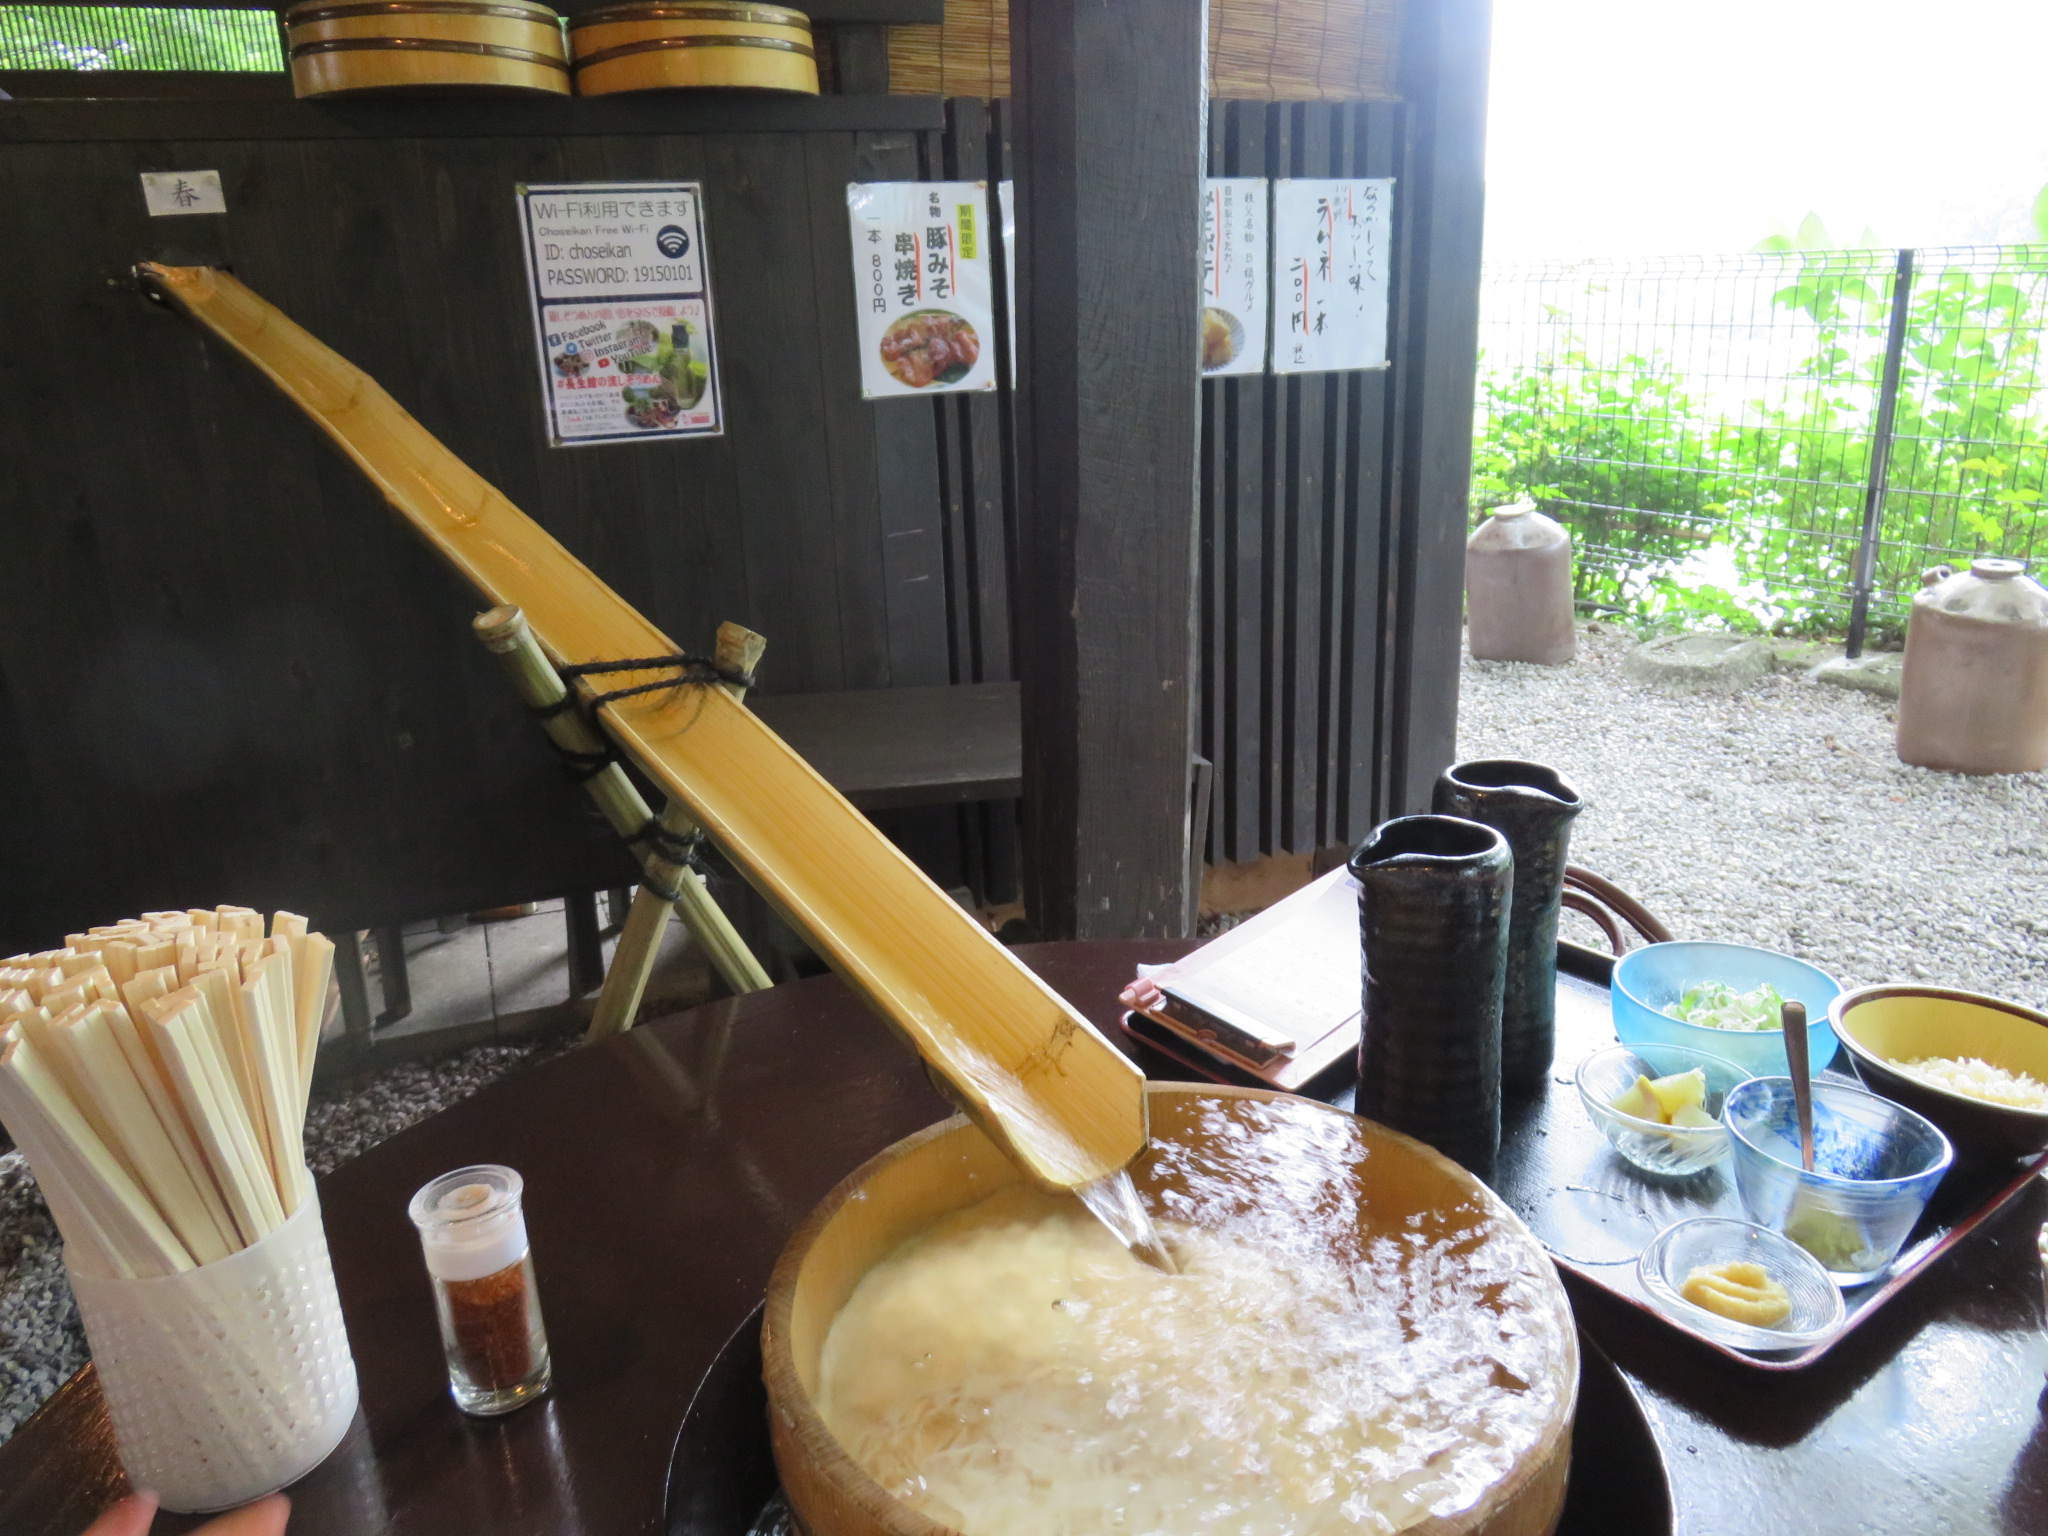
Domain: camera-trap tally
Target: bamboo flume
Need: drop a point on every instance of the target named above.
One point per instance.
(1035, 1075)
(156, 1071)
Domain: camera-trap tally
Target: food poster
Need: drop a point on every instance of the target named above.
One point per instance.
(622, 311)
(1234, 275)
(922, 285)
(1330, 267)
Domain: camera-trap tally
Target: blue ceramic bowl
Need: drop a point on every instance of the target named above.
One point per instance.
(1651, 979)
(1876, 1164)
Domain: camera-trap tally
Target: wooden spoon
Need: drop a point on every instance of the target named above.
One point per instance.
(1793, 1021)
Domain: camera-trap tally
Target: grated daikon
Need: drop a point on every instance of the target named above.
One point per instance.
(1316, 1366)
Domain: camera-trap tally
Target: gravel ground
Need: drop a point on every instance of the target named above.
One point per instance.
(1781, 817)
(40, 1340)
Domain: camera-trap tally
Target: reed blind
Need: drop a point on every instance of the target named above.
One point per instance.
(1259, 50)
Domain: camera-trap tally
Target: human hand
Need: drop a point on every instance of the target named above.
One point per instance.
(131, 1517)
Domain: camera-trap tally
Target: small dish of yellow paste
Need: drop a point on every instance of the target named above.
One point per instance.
(1740, 1291)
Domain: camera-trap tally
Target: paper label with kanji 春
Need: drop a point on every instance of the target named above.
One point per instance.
(921, 286)
(622, 311)
(1234, 275)
(169, 193)
(1330, 264)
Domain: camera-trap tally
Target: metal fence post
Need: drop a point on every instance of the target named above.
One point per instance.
(1865, 576)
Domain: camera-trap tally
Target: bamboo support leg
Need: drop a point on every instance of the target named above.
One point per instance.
(504, 633)
(739, 649)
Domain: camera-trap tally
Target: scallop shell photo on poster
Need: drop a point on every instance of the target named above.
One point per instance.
(930, 346)
(1222, 338)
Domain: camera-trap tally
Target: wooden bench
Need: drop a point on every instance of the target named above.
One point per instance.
(884, 748)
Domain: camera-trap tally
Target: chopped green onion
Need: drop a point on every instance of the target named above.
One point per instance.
(1716, 1005)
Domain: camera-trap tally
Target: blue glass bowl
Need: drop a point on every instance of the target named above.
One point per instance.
(1651, 979)
(1876, 1164)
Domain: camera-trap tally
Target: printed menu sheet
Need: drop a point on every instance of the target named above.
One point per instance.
(922, 287)
(1330, 269)
(1234, 267)
(622, 311)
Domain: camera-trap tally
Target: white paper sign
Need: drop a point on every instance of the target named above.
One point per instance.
(169, 193)
(1330, 249)
(1006, 201)
(622, 311)
(921, 285)
(1234, 269)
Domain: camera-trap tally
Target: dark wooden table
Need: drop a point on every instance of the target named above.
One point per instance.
(664, 1169)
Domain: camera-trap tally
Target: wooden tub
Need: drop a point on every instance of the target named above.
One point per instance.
(906, 1188)
(425, 47)
(672, 44)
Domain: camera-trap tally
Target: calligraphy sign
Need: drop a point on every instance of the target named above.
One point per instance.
(1330, 268)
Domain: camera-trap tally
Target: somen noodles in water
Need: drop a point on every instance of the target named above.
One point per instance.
(1013, 1371)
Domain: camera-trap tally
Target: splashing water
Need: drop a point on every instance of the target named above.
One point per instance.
(1329, 1361)
(1113, 1201)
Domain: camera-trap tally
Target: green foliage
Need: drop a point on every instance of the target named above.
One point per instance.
(1748, 514)
(120, 37)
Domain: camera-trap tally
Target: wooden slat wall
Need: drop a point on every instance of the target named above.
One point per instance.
(1299, 558)
(1295, 545)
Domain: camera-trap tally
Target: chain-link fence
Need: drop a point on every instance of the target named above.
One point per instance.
(1734, 436)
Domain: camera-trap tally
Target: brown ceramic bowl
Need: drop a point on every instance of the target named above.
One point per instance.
(1896, 1022)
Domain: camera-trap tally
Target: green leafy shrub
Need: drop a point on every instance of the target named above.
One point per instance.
(1689, 506)
(125, 37)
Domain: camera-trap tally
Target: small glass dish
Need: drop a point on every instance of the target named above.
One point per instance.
(1876, 1164)
(1674, 1151)
(1674, 1253)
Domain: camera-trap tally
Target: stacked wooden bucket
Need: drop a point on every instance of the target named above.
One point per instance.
(668, 43)
(425, 46)
(435, 46)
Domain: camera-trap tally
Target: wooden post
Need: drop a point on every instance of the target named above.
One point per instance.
(1439, 203)
(1109, 114)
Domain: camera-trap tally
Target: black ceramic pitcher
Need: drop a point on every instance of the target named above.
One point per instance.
(1433, 894)
(1532, 807)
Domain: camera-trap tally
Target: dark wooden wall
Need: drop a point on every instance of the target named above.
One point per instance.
(1331, 507)
(227, 672)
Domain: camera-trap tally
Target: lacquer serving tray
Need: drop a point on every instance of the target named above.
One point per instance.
(1595, 1212)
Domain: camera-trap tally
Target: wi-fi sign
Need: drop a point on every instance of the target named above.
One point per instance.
(671, 241)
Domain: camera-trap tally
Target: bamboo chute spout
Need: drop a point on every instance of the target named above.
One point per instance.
(1034, 1074)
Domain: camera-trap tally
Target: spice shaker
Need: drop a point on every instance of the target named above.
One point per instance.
(473, 1233)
